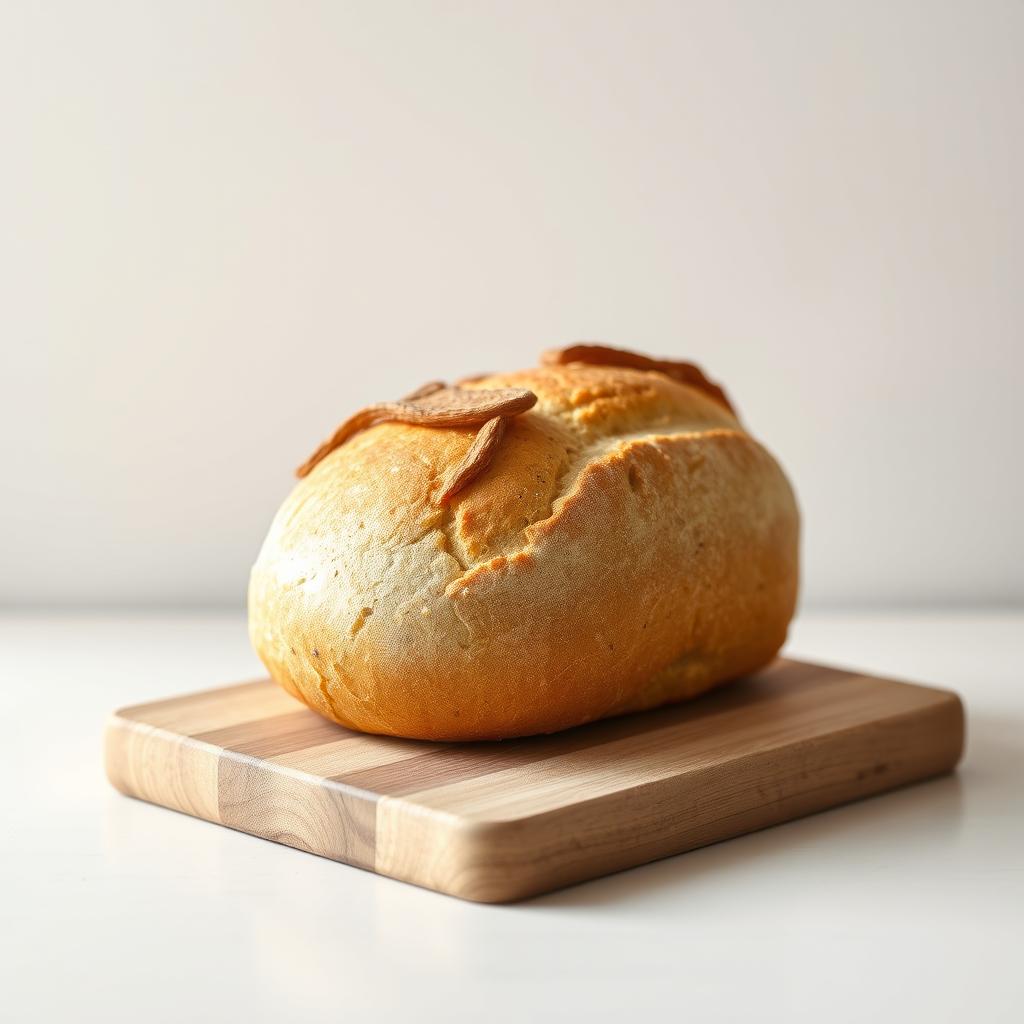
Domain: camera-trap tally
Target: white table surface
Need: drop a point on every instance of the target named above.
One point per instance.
(908, 906)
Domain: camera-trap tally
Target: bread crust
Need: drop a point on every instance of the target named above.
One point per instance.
(630, 545)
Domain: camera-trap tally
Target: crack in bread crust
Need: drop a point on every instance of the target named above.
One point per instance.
(596, 454)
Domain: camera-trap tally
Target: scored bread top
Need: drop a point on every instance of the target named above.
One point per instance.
(582, 412)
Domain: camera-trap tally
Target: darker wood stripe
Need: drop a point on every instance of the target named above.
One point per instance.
(277, 734)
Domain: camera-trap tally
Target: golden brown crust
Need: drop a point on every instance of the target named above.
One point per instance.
(629, 545)
(605, 355)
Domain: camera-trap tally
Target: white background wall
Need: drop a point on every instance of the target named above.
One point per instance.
(223, 227)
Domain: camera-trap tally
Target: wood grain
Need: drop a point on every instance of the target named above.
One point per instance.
(502, 821)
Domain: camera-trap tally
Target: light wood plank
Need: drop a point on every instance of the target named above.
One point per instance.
(297, 810)
(162, 767)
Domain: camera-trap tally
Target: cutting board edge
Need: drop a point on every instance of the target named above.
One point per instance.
(183, 773)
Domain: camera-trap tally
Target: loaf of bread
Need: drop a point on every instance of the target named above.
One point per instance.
(615, 543)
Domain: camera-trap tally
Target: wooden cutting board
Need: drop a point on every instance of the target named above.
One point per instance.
(501, 821)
